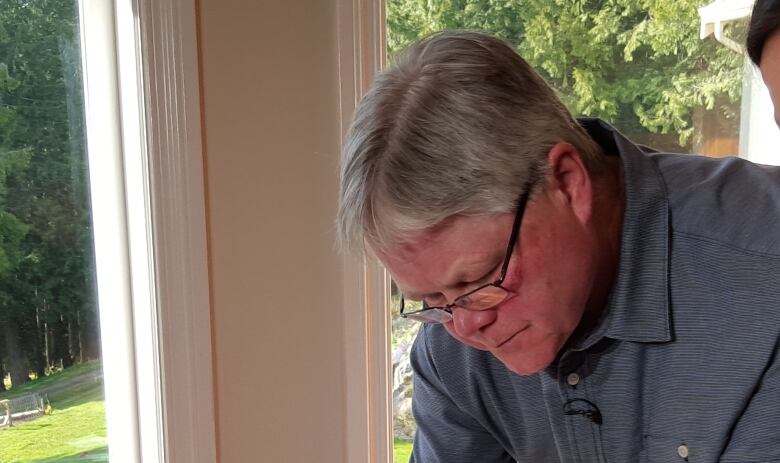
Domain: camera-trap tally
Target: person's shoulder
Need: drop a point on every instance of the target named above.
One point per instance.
(728, 200)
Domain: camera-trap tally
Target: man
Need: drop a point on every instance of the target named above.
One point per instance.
(763, 46)
(585, 299)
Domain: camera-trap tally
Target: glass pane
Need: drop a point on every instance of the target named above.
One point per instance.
(640, 66)
(403, 333)
(51, 393)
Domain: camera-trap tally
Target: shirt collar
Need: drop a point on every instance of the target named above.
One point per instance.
(638, 306)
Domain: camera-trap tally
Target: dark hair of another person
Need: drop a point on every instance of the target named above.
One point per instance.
(764, 22)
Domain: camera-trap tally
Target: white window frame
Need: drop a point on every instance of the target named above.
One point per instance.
(142, 105)
(367, 324)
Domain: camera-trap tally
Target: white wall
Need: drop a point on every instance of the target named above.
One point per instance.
(759, 136)
(270, 99)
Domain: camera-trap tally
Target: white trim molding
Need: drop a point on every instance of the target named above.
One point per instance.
(169, 44)
(110, 228)
(149, 213)
(369, 429)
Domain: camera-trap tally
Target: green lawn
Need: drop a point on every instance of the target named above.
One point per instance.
(91, 367)
(74, 432)
(402, 449)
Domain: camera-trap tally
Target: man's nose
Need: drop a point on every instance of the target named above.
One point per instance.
(468, 323)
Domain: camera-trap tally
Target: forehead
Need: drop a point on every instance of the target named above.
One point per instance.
(457, 235)
(433, 259)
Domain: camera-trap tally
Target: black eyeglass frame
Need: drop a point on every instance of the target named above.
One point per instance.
(521, 204)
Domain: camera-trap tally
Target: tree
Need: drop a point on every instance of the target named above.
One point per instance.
(48, 308)
(12, 231)
(639, 62)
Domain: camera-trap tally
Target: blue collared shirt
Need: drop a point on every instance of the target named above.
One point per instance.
(682, 367)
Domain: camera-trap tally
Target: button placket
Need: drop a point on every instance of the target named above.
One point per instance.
(582, 417)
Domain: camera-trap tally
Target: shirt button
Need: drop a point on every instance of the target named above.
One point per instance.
(682, 451)
(573, 379)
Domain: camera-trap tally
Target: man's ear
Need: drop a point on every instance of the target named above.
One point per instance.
(570, 180)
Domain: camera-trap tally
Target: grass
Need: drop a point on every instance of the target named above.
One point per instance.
(74, 432)
(402, 449)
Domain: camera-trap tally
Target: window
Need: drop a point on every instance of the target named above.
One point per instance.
(366, 286)
(655, 71)
(141, 120)
(50, 351)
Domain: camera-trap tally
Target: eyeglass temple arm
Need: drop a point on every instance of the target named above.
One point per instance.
(513, 237)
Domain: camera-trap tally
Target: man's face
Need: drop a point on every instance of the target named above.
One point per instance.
(770, 70)
(550, 276)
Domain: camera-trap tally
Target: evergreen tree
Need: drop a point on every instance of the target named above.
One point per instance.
(637, 62)
(47, 307)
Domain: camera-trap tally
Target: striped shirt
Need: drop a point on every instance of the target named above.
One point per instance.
(682, 367)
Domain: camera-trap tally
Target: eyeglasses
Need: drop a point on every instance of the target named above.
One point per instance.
(481, 298)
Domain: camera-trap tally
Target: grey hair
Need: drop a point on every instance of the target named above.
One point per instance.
(457, 125)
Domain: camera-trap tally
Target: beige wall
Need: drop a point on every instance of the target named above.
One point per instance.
(270, 98)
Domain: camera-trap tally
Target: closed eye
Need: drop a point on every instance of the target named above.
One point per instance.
(489, 277)
(461, 288)
(467, 286)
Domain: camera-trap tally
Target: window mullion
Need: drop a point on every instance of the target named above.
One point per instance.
(104, 146)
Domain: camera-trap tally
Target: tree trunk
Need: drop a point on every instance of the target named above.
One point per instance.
(61, 344)
(71, 347)
(68, 360)
(17, 364)
(39, 354)
(46, 336)
(47, 345)
(2, 376)
(79, 343)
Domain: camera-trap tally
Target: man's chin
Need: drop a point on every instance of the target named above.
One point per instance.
(527, 365)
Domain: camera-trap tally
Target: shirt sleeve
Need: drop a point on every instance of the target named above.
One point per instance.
(445, 432)
(756, 437)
